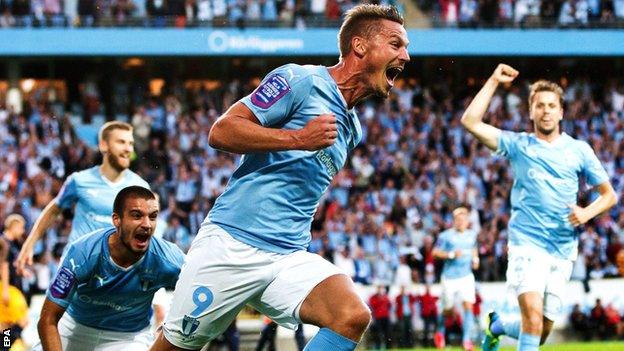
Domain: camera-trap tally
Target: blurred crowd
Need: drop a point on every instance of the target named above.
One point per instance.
(178, 13)
(405, 319)
(597, 321)
(302, 13)
(380, 218)
(525, 13)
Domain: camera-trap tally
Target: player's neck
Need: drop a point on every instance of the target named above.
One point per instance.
(549, 138)
(350, 81)
(120, 254)
(111, 173)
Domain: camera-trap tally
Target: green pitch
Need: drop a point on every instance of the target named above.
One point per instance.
(588, 346)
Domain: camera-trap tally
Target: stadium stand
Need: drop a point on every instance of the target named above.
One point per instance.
(301, 14)
(385, 209)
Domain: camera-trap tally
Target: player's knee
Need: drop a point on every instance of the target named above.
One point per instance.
(534, 323)
(356, 319)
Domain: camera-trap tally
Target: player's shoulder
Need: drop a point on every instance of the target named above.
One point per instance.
(87, 174)
(85, 251)
(521, 137)
(132, 178)
(445, 233)
(473, 234)
(167, 252)
(295, 73)
(88, 243)
(576, 143)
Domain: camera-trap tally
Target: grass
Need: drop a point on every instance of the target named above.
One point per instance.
(577, 346)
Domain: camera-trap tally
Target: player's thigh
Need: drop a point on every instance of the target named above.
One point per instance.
(115, 341)
(219, 276)
(75, 336)
(293, 296)
(526, 271)
(467, 289)
(559, 275)
(450, 289)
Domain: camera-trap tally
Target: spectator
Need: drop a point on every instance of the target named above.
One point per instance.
(429, 314)
(579, 322)
(380, 306)
(404, 303)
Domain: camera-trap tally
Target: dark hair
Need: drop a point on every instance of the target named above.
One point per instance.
(133, 191)
(363, 20)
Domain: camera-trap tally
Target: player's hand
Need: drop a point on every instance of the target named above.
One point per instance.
(504, 73)
(24, 259)
(578, 215)
(319, 133)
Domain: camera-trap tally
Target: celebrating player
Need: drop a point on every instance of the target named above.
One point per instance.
(92, 190)
(457, 247)
(546, 165)
(107, 280)
(295, 130)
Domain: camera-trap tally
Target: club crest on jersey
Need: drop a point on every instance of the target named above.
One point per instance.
(147, 280)
(189, 325)
(270, 91)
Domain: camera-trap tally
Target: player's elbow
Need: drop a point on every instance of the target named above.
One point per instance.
(216, 136)
(45, 322)
(468, 122)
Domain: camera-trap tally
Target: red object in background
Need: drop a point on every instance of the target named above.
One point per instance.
(428, 306)
(380, 306)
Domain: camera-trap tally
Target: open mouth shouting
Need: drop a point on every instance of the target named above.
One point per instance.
(392, 73)
(141, 240)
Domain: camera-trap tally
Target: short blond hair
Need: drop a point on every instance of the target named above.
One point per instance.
(545, 85)
(13, 218)
(363, 20)
(108, 127)
(460, 210)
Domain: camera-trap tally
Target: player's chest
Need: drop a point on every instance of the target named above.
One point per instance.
(462, 241)
(97, 198)
(561, 161)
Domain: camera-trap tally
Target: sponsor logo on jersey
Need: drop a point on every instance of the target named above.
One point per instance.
(326, 159)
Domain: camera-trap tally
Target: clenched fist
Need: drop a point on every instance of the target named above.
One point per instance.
(319, 133)
(504, 73)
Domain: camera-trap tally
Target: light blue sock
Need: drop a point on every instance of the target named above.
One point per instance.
(512, 328)
(441, 326)
(326, 339)
(528, 342)
(467, 325)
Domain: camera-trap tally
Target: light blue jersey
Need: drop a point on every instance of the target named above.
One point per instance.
(100, 294)
(93, 195)
(451, 240)
(546, 182)
(272, 196)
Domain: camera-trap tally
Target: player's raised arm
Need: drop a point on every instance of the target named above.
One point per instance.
(239, 131)
(47, 327)
(472, 119)
(45, 220)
